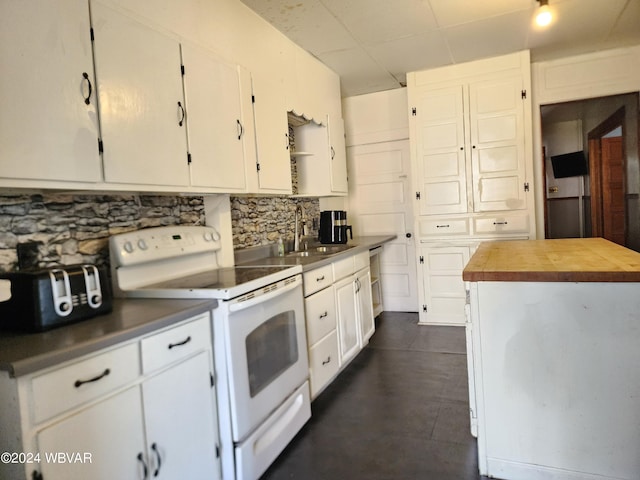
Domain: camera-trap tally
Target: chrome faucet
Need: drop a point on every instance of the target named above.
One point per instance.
(298, 232)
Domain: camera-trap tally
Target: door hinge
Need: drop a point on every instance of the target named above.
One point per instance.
(91, 34)
(217, 451)
(253, 99)
(100, 147)
(424, 308)
(36, 475)
(212, 379)
(258, 167)
(182, 70)
(526, 186)
(414, 111)
(421, 259)
(417, 195)
(188, 158)
(523, 93)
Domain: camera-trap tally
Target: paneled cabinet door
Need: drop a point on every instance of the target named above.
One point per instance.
(444, 294)
(441, 150)
(48, 120)
(365, 306)
(142, 108)
(110, 432)
(216, 129)
(347, 310)
(338, 155)
(181, 423)
(272, 138)
(496, 117)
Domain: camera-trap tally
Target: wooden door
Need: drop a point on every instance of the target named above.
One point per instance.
(613, 197)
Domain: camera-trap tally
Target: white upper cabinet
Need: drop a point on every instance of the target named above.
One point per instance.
(142, 107)
(215, 123)
(320, 156)
(272, 172)
(469, 135)
(48, 121)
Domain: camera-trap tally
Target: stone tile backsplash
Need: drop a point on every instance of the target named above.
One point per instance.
(63, 229)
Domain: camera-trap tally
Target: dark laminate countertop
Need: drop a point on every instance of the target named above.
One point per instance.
(22, 353)
(558, 260)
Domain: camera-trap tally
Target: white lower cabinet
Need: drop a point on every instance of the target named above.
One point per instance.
(339, 316)
(443, 296)
(159, 422)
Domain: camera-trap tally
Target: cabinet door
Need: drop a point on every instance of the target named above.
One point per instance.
(215, 124)
(444, 294)
(338, 155)
(365, 306)
(47, 131)
(347, 310)
(181, 426)
(107, 436)
(272, 138)
(496, 113)
(440, 149)
(142, 110)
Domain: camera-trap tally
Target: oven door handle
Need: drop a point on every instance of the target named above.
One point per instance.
(235, 305)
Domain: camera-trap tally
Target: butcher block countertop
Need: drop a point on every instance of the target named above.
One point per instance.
(561, 260)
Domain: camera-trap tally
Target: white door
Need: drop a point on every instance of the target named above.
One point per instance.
(47, 130)
(181, 422)
(272, 137)
(496, 118)
(347, 311)
(142, 110)
(215, 124)
(380, 204)
(111, 432)
(441, 150)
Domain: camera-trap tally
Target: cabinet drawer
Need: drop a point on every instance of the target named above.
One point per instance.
(360, 261)
(501, 224)
(443, 227)
(62, 389)
(320, 311)
(323, 362)
(175, 343)
(317, 279)
(343, 268)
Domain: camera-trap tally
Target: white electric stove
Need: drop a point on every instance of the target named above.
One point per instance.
(260, 349)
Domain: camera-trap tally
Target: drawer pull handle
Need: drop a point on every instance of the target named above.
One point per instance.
(319, 279)
(324, 362)
(179, 344)
(443, 226)
(324, 314)
(499, 223)
(154, 447)
(145, 471)
(79, 383)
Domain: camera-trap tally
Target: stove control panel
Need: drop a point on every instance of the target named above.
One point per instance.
(161, 243)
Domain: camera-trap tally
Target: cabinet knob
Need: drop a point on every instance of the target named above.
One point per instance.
(408, 235)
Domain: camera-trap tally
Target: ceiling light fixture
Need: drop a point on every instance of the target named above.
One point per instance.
(543, 16)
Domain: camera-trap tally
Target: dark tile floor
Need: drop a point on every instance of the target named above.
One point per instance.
(398, 411)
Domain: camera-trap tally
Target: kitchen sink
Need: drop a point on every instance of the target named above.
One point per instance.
(323, 250)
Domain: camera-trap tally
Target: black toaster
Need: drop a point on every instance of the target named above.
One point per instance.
(47, 298)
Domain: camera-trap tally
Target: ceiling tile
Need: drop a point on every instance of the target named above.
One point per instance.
(457, 12)
(418, 52)
(491, 37)
(379, 21)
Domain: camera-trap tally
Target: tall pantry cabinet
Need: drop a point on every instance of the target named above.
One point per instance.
(471, 153)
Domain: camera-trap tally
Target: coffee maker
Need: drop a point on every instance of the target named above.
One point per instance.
(333, 227)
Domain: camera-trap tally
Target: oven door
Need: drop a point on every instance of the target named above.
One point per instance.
(266, 353)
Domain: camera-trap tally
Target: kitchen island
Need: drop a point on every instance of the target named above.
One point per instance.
(555, 356)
